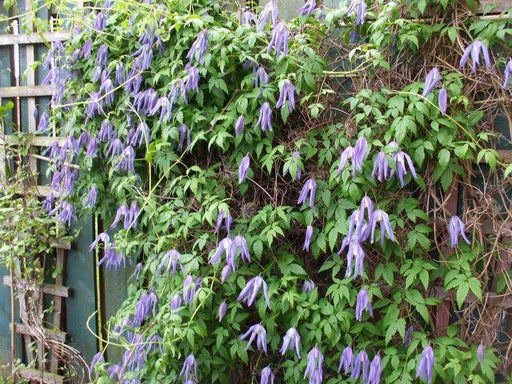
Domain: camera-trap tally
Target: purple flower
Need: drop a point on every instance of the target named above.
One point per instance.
(223, 246)
(400, 158)
(287, 93)
(115, 149)
(189, 365)
(103, 237)
(379, 216)
(443, 100)
(314, 367)
(279, 40)
(146, 102)
(198, 48)
(92, 195)
(269, 8)
(140, 135)
(112, 258)
(356, 154)
(474, 49)
(375, 371)
(183, 131)
(243, 169)
(265, 117)
(308, 8)
(267, 376)
(145, 53)
(226, 272)
(247, 17)
(308, 286)
(122, 211)
(97, 358)
(363, 302)
(248, 294)
(259, 333)
(175, 303)
(67, 212)
(106, 131)
(426, 365)
(86, 49)
(431, 81)
(192, 78)
(171, 258)
(480, 353)
(307, 240)
(347, 358)
(508, 72)
(309, 188)
(44, 122)
(164, 105)
(223, 307)
(125, 161)
(240, 242)
(120, 74)
(408, 336)
(146, 303)
(456, 227)
(360, 363)
(102, 57)
(190, 287)
(100, 22)
(226, 217)
(290, 341)
(260, 78)
(357, 7)
(239, 125)
(49, 201)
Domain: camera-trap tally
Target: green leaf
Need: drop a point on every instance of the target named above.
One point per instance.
(462, 293)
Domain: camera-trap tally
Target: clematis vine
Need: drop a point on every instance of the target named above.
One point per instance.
(171, 259)
(260, 78)
(308, 286)
(431, 81)
(265, 117)
(297, 161)
(314, 369)
(92, 196)
(146, 303)
(307, 240)
(279, 40)
(308, 191)
(426, 366)
(400, 158)
(480, 353)
(287, 94)
(381, 167)
(243, 169)
(357, 8)
(225, 217)
(379, 216)
(224, 246)
(375, 371)
(223, 307)
(199, 48)
(175, 303)
(184, 131)
(357, 154)
(189, 365)
(456, 227)
(239, 242)
(308, 8)
(190, 287)
(267, 376)
(508, 72)
(249, 293)
(360, 366)
(363, 302)
(474, 49)
(346, 361)
(269, 9)
(258, 333)
(290, 341)
(443, 100)
(239, 125)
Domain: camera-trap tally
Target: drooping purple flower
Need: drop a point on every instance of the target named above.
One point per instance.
(259, 333)
(145, 53)
(308, 8)
(357, 8)
(307, 239)
(190, 287)
(224, 246)
(192, 82)
(309, 188)
(171, 259)
(120, 77)
(251, 289)
(189, 365)
(86, 48)
(102, 57)
(99, 22)
(379, 216)
(287, 93)
(408, 336)
(97, 358)
(308, 286)
(247, 17)
(112, 257)
(146, 303)
(357, 154)
(267, 376)
(265, 117)
(243, 169)
(226, 272)
(279, 40)
(360, 363)
(165, 107)
(425, 367)
(122, 211)
(443, 100)
(400, 158)
(474, 50)
(456, 227)
(184, 131)
(363, 302)
(375, 371)
(314, 369)
(146, 102)
(67, 212)
(346, 361)
(239, 242)
(175, 303)
(44, 122)
(49, 201)
(115, 149)
(106, 131)
(198, 48)
(223, 307)
(92, 196)
(290, 341)
(126, 160)
(260, 77)
(269, 8)
(239, 125)
(225, 217)
(508, 72)
(480, 353)
(102, 237)
(140, 135)
(431, 81)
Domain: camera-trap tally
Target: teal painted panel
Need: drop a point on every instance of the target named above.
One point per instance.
(5, 315)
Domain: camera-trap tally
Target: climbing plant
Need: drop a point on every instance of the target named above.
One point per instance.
(282, 188)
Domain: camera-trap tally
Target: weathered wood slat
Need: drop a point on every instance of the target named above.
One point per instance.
(49, 333)
(36, 141)
(34, 38)
(26, 91)
(499, 6)
(42, 377)
(57, 307)
(49, 289)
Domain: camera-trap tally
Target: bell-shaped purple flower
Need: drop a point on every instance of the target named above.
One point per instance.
(443, 100)
(184, 131)
(357, 8)
(267, 376)
(146, 303)
(474, 50)
(192, 82)
(99, 22)
(92, 196)
(249, 293)
(190, 287)
(480, 353)
(308, 286)
(431, 81)
(408, 336)
(239, 125)
(287, 93)
(379, 216)
(86, 49)
(279, 40)
(400, 158)
(269, 9)
(44, 122)
(126, 160)
(225, 217)
(102, 57)
(260, 77)
(357, 154)
(223, 307)
(239, 242)
(265, 117)
(456, 227)
(346, 361)
(308, 8)
(361, 364)
(67, 212)
(224, 246)
(308, 191)
(363, 302)
(120, 77)
(314, 369)
(307, 239)
(291, 341)
(259, 333)
(226, 272)
(375, 371)
(198, 48)
(175, 303)
(508, 72)
(171, 259)
(243, 169)
(189, 366)
(426, 366)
